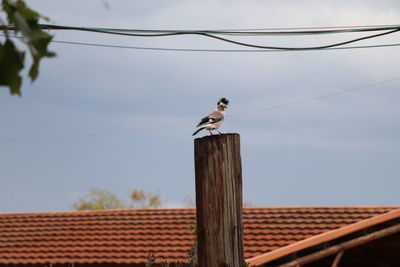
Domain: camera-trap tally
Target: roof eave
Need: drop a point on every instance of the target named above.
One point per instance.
(321, 238)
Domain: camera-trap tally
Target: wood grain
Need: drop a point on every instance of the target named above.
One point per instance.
(219, 200)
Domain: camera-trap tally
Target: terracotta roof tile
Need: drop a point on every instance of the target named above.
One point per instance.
(128, 236)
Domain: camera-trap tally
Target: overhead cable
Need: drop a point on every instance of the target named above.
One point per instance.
(299, 48)
(299, 29)
(208, 50)
(244, 32)
(216, 34)
(298, 102)
(313, 99)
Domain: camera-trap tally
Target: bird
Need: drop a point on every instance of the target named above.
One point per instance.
(214, 120)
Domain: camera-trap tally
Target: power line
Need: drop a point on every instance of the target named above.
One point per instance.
(208, 50)
(68, 136)
(215, 34)
(243, 32)
(217, 50)
(300, 48)
(308, 100)
(298, 102)
(312, 28)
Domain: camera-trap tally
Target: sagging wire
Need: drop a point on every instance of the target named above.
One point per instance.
(299, 48)
(208, 50)
(245, 32)
(298, 102)
(215, 34)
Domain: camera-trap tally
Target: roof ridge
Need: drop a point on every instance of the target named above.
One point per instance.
(113, 211)
(310, 208)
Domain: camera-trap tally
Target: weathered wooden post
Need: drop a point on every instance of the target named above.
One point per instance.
(218, 171)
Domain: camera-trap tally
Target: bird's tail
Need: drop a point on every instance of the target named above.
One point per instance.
(198, 130)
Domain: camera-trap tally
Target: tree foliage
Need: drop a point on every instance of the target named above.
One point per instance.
(144, 199)
(24, 21)
(98, 199)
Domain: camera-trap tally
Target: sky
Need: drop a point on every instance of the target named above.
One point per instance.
(342, 150)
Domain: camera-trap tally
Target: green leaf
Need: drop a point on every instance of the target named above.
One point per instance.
(19, 14)
(39, 50)
(26, 21)
(11, 63)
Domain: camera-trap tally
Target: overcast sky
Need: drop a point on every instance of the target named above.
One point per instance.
(341, 150)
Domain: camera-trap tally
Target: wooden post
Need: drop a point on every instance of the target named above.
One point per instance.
(219, 200)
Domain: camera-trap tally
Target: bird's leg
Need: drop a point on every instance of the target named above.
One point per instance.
(218, 131)
(210, 132)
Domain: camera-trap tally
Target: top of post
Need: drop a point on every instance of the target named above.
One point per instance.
(217, 139)
(216, 136)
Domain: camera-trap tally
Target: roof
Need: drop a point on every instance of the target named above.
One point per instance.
(323, 237)
(128, 236)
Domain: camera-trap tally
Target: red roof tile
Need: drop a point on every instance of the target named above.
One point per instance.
(128, 236)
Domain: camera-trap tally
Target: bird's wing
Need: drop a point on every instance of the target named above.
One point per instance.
(213, 117)
(216, 115)
(203, 121)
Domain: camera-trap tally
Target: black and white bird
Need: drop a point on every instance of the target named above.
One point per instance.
(214, 120)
